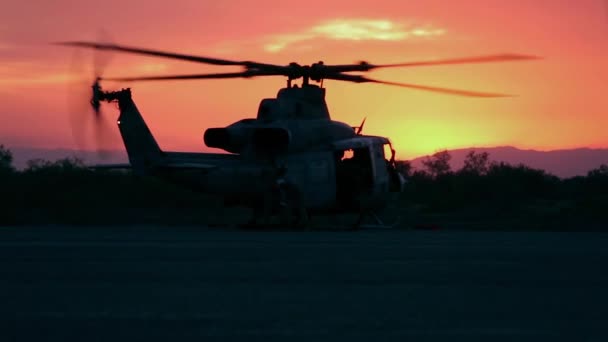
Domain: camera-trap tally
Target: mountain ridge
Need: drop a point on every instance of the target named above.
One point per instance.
(563, 163)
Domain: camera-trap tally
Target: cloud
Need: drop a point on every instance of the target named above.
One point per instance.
(26, 73)
(355, 30)
(151, 67)
(280, 42)
(37, 80)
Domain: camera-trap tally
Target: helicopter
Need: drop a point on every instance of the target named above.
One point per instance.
(292, 158)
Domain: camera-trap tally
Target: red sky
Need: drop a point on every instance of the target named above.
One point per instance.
(561, 100)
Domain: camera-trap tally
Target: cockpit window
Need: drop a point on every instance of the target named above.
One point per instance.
(389, 152)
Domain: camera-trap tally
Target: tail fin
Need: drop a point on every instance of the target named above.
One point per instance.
(142, 149)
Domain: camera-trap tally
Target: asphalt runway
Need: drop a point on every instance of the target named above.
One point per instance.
(163, 283)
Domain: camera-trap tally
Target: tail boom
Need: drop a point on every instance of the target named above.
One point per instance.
(142, 149)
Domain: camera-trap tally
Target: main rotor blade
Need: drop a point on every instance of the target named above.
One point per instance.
(157, 53)
(243, 74)
(464, 60)
(364, 66)
(459, 92)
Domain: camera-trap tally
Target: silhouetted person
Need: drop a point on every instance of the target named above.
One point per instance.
(354, 176)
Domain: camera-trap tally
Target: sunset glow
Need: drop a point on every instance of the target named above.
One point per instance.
(560, 100)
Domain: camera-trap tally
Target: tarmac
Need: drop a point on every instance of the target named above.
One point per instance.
(146, 283)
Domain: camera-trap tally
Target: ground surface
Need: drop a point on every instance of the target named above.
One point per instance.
(162, 283)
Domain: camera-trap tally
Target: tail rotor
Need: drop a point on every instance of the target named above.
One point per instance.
(85, 101)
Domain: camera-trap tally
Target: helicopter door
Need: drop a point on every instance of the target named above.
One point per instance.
(381, 176)
(354, 174)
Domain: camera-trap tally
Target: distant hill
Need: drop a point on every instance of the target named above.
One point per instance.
(562, 163)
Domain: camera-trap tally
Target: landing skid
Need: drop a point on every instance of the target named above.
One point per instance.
(344, 222)
(290, 218)
(377, 222)
(287, 218)
(384, 217)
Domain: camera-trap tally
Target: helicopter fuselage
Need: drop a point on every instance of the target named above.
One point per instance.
(326, 161)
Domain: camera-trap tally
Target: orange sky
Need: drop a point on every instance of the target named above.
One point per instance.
(561, 100)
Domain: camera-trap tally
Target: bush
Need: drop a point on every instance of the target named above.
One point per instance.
(66, 191)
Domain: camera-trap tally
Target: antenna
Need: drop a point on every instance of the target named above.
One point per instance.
(360, 128)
